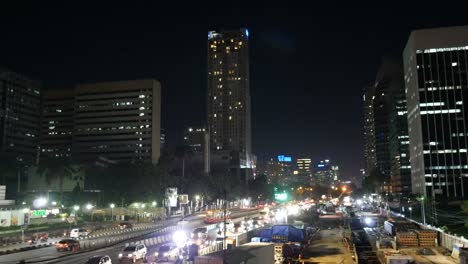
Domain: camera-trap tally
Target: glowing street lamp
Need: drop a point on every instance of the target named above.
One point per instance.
(89, 206)
(40, 202)
(76, 207)
(112, 211)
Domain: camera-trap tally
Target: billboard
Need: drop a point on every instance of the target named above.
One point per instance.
(183, 199)
(171, 197)
(284, 158)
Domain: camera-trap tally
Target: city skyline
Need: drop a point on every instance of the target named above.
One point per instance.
(299, 79)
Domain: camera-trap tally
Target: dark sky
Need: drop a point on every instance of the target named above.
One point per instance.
(309, 64)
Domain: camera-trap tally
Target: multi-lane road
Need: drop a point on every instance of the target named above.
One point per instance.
(50, 254)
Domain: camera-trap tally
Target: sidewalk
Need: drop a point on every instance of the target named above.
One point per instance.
(327, 247)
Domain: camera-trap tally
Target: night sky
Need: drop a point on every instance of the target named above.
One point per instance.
(309, 64)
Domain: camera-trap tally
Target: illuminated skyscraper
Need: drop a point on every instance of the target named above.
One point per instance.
(228, 102)
(436, 72)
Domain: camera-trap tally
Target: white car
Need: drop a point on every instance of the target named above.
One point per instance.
(167, 252)
(133, 253)
(104, 259)
(78, 232)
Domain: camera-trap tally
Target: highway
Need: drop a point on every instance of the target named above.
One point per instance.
(50, 254)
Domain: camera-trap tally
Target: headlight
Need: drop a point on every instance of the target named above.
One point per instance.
(130, 255)
(120, 255)
(156, 254)
(166, 254)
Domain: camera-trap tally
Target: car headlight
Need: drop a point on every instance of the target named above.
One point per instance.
(130, 255)
(166, 254)
(156, 254)
(120, 255)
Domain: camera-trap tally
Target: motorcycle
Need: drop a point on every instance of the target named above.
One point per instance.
(32, 241)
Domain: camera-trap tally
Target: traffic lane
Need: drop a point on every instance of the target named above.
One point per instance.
(25, 244)
(113, 253)
(37, 254)
(50, 252)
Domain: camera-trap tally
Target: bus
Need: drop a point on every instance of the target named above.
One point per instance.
(216, 216)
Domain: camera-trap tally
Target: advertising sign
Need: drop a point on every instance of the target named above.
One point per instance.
(183, 199)
(171, 197)
(5, 218)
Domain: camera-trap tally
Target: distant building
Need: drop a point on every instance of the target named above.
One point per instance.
(228, 98)
(117, 121)
(194, 138)
(325, 173)
(19, 116)
(57, 123)
(304, 171)
(436, 73)
(280, 171)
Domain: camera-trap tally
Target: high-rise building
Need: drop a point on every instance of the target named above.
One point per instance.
(228, 97)
(118, 121)
(194, 138)
(280, 171)
(304, 169)
(369, 132)
(19, 116)
(57, 123)
(325, 173)
(436, 72)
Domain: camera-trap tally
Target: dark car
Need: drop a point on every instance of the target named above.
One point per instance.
(125, 225)
(104, 259)
(167, 252)
(67, 244)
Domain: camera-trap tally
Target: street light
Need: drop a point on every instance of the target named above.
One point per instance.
(76, 207)
(40, 202)
(112, 211)
(89, 206)
(411, 212)
(154, 203)
(423, 210)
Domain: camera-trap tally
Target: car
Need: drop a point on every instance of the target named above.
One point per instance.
(133, 253)
(103, 259)
(167, 252)
(199, 233)
(67, 244)
(125, 225)
(78, 232)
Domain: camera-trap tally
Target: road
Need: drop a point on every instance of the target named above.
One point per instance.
(50, 255)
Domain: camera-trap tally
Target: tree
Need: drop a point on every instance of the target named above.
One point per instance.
(56, 169)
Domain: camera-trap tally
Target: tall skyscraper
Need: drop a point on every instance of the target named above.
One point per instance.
(369, 131)
(436, 72)
(57, 123)
(228, 101)
(19, 116)
(385, 129)
(118, 121)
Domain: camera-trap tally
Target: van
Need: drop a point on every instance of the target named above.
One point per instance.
(78, 232)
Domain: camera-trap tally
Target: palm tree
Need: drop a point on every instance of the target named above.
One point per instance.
(56, 169)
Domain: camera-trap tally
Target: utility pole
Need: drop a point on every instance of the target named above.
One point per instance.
(224, 226)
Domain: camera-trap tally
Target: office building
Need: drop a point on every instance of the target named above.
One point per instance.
(326, 173)
(280, 171)
(19, 116)
(436, 71)
(57, 123)
(117, 121)
(228, 97)
(194, 138)
(304, 172)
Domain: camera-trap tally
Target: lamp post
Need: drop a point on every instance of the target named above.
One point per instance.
(112, 211)
(423, 210)
(410, 212)
(154, 204)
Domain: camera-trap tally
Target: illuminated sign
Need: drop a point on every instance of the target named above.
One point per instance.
(281, 196)
(321, 165)
(37, 213)
(247, 32)
(284, 158)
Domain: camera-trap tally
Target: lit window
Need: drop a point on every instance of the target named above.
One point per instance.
(141, 96)
(230, 117)
(51, 127)
(142, 108)
(214, 115)
(142, 114)
(190, 129)
(59, 110)
(454, 64)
